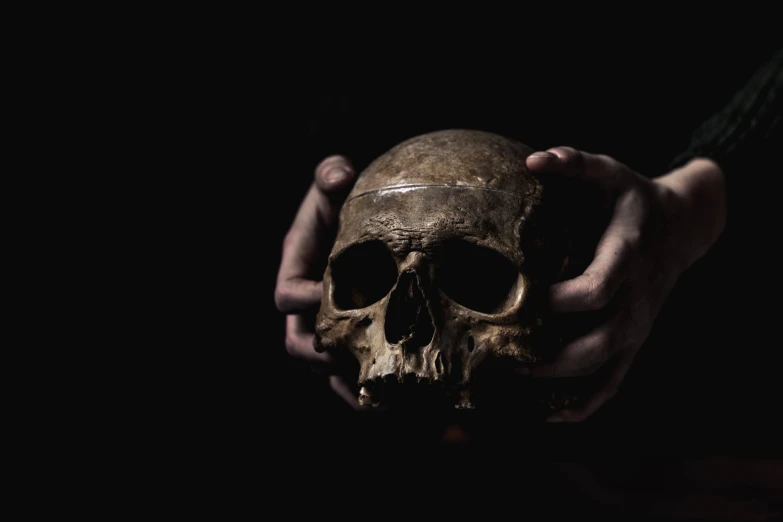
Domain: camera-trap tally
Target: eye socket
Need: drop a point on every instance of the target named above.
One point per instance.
(362, 275)
(477, 277)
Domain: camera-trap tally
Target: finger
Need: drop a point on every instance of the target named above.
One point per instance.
(616, 253)
(600, 398)
(600, 169)
(601, 280)
(299, 342)
(542, 161)
(585, 355)
(305, 247)
(296, 294)
(334, 175)
(341, 387)
(298, 287)
(334, 178)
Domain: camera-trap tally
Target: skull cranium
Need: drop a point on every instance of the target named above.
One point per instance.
(442, 247)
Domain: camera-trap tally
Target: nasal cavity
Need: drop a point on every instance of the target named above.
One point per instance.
(408, 320)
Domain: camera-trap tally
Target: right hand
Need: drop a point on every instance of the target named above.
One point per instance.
(656, 229)
(305, 250)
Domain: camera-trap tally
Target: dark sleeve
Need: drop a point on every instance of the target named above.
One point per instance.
(744, 135)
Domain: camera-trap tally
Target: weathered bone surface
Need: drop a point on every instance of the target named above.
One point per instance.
(443, 246)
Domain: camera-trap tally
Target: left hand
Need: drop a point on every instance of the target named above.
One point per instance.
(657, 229)
(305, 249)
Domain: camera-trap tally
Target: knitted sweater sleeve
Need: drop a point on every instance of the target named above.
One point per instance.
(745, 135)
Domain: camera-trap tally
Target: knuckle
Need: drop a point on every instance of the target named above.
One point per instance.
(570, 156)
(617, 171)
(637, 197)
(636, 202)
(598, 293)
(282, 298)
(598, 349)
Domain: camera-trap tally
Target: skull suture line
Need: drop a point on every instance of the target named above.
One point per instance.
(442, 246)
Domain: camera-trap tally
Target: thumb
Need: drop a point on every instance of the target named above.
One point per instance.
(334, 176)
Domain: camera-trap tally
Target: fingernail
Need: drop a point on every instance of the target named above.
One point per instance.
(542, 155)
(336, 174)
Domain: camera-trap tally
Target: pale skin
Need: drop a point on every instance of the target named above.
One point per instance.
(658, 228)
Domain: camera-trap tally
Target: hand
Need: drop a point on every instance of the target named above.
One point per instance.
(305, 251)
(656, 230)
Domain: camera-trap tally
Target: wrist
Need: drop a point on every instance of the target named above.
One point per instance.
(696, 207)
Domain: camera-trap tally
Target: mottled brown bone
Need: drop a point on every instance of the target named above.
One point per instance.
(413, 204)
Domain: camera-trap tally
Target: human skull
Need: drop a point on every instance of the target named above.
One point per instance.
(443, 246)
